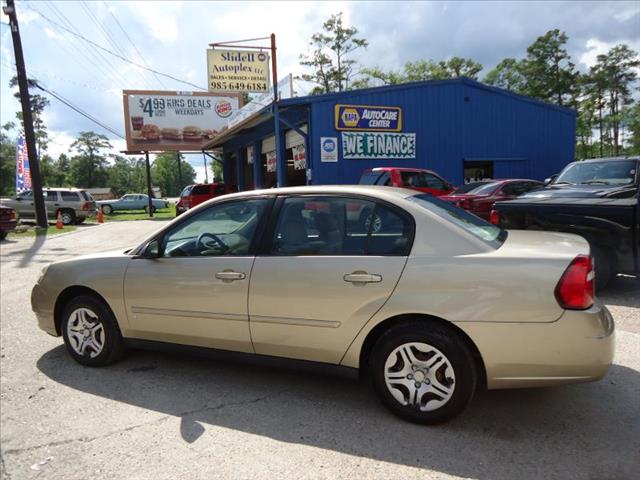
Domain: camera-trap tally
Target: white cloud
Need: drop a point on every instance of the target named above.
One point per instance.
(595, 47)
(160, 19)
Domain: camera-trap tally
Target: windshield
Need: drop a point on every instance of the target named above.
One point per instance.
(186, 191)
(490, 234)
(486, 189)
(607, 172)
(467, 187)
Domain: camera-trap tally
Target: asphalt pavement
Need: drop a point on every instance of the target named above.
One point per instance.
(169, 416)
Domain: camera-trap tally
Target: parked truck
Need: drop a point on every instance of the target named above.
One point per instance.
(597, 199)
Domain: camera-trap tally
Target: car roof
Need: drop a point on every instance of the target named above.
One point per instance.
(63, 189)
(373, 190)
(400, 169)
(607, 159)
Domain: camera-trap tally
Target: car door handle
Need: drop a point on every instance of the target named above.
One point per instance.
(230, 276)
(362, 277)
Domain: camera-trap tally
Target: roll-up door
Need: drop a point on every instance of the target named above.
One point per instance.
(293, 138)
(268, 144)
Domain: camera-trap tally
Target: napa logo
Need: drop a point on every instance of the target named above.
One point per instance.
(350, 117)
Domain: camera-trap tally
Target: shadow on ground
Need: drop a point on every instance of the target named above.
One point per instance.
(623, 291)
(579, 431)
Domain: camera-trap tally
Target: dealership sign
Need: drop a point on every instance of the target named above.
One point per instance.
(238, 71)
(157, 120)
(363, 117)
(365, 145)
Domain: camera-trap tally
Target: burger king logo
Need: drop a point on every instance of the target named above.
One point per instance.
(224, 108)
(262, 57)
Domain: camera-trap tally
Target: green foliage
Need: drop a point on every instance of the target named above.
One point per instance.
(38, 104)
(127, 175)
(332, 69)
(164, 174)
(7, 162)
(89, 168)
(508, 74)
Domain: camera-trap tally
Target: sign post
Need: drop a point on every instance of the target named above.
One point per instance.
(149, 189)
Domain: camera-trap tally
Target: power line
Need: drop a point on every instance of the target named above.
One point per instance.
(78, 110)
(108, 36)
(53, 22)
(132, 42)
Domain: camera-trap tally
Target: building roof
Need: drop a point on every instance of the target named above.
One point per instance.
(266, 112)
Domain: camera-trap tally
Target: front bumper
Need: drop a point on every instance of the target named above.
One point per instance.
(43, 308)
(576, 348)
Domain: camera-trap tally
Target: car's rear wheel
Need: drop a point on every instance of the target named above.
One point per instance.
(423, 372)
(68, 217)
(107, 209)
(90, 331)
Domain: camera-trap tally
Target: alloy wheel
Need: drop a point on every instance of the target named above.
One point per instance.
(419, 375)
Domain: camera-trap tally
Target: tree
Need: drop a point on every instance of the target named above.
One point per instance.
(550, 75)
(633, 125)
(508, 75)
(7, 161)
(127, 175)
(164, 174)
(89, 168)
(38, 104)
(329, 59)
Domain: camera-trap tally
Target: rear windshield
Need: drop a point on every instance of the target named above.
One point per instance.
(370, 178)
(490, 234)
(484, 189)
(200, 190)
(607, 172)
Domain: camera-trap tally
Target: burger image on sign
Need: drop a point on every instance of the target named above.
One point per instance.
(224, 108)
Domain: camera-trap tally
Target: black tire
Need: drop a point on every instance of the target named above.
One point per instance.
(603, 268)
(68, 216)
(3, 234)
(451, 346)
(107, 209)
(112, 342)
(79, 221)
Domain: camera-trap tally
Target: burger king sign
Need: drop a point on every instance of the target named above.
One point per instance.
(182, 121)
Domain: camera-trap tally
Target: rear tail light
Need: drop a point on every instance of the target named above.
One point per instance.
(575, 290)
(494, 217)
(86, 206)
(12, 215)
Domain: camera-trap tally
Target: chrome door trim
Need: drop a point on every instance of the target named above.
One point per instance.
(188, 313)
(302, 322)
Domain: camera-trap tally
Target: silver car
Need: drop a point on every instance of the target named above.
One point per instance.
(426, 300)
(74, 205)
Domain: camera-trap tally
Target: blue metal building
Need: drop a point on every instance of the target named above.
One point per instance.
(460, 128)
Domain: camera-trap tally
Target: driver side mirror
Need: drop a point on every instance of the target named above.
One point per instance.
(152, 250)
(547, 181)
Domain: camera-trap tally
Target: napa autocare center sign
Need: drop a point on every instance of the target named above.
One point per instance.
(178, 121)
(373, 132)
(238, 71)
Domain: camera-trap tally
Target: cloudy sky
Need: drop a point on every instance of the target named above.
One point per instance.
(172, 37)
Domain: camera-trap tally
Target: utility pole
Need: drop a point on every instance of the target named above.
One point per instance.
(149, 189)
(179, 172)
(30, 138)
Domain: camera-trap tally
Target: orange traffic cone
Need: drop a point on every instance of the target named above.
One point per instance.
(100, 216)
(59, 224)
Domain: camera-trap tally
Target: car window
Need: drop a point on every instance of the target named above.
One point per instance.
(490, 234)
(325, 225)
(87, 196)
(186, 191)
(69, 196)
(200, 190)
(50, 196)
(370, 178)
(224, 229)
(219, 189)
(27, 194)
(422, 180)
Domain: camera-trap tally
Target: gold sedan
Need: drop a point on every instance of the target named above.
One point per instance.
(426, 300)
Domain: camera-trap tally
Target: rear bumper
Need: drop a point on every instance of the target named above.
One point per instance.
(576, 348)
(8, 225)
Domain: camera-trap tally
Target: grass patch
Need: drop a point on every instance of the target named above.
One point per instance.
(118, 216)
(23, 231)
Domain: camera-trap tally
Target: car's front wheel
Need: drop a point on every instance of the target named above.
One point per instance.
(423, 372)
(90, 331)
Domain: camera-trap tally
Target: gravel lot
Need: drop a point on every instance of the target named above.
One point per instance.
(168, 416)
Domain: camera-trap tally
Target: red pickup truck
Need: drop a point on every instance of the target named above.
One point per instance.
(415, 178)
